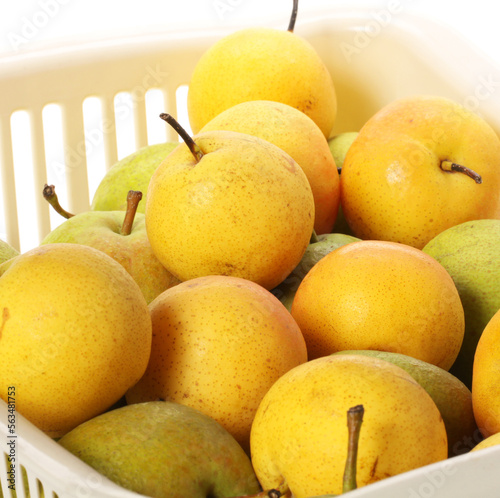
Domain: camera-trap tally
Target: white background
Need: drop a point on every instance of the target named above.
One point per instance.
(477, 20)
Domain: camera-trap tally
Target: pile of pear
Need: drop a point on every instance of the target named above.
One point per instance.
(203, 329)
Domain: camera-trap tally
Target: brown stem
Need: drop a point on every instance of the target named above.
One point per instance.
(354, 421)
(133, 199)
(454, 167)
(278, 492)
(49, 194)
(293, 17)
(314, 237)
(193, 147)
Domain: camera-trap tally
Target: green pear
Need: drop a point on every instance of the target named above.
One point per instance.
(339, 145)
(130, 173)
(121, 235)
(7, 251)
(452, 397)
(470, 252)
(324, 244)
(164, 449)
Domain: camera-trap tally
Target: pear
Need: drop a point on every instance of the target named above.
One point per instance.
(229, 203)
(375, 294)
(470, 253)
(261, 63)
(488, 442)
(121, 235)
(349, 481)
(299, 431)
(324, 244)
(451, 395)
(339, 145)
(133, 172)
(76, 333)
(298, 135)
(7, 251)
(219, 343)
(6, 264)
(164, 450)
(420, 165)
(486, 378)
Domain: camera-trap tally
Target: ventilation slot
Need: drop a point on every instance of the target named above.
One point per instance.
(26, 190)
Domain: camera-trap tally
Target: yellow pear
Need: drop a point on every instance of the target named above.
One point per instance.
(493, 440)
(486, 378)
(451, 395)
(299, 434)
(380, 295)
(75, 334)
(262, 63)
(299, 136)
(219, 343)
(234, 205)
(420, 165)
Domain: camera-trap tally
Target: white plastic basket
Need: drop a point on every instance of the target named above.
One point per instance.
(372, 62)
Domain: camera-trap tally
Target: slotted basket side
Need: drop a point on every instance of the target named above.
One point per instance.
(66, 77)
(46, 469)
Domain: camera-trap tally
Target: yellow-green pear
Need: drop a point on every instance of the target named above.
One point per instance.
(298, 135)
(316, 250)
(133, 172)
(262, 63)
(75, 334)
(299, 432)
(470, 252)
(229, 203)
(121, 235)
(339, 145)
(5, 265)
(164, 449)
(7, 251)
(451, 395)
(418, 166)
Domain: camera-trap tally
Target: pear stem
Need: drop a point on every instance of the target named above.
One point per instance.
(49, 194)
(193, 147)
(293, 17)
(314, 237)
(278, 492)
(133, 199)
(454, 167)
(354, 421)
